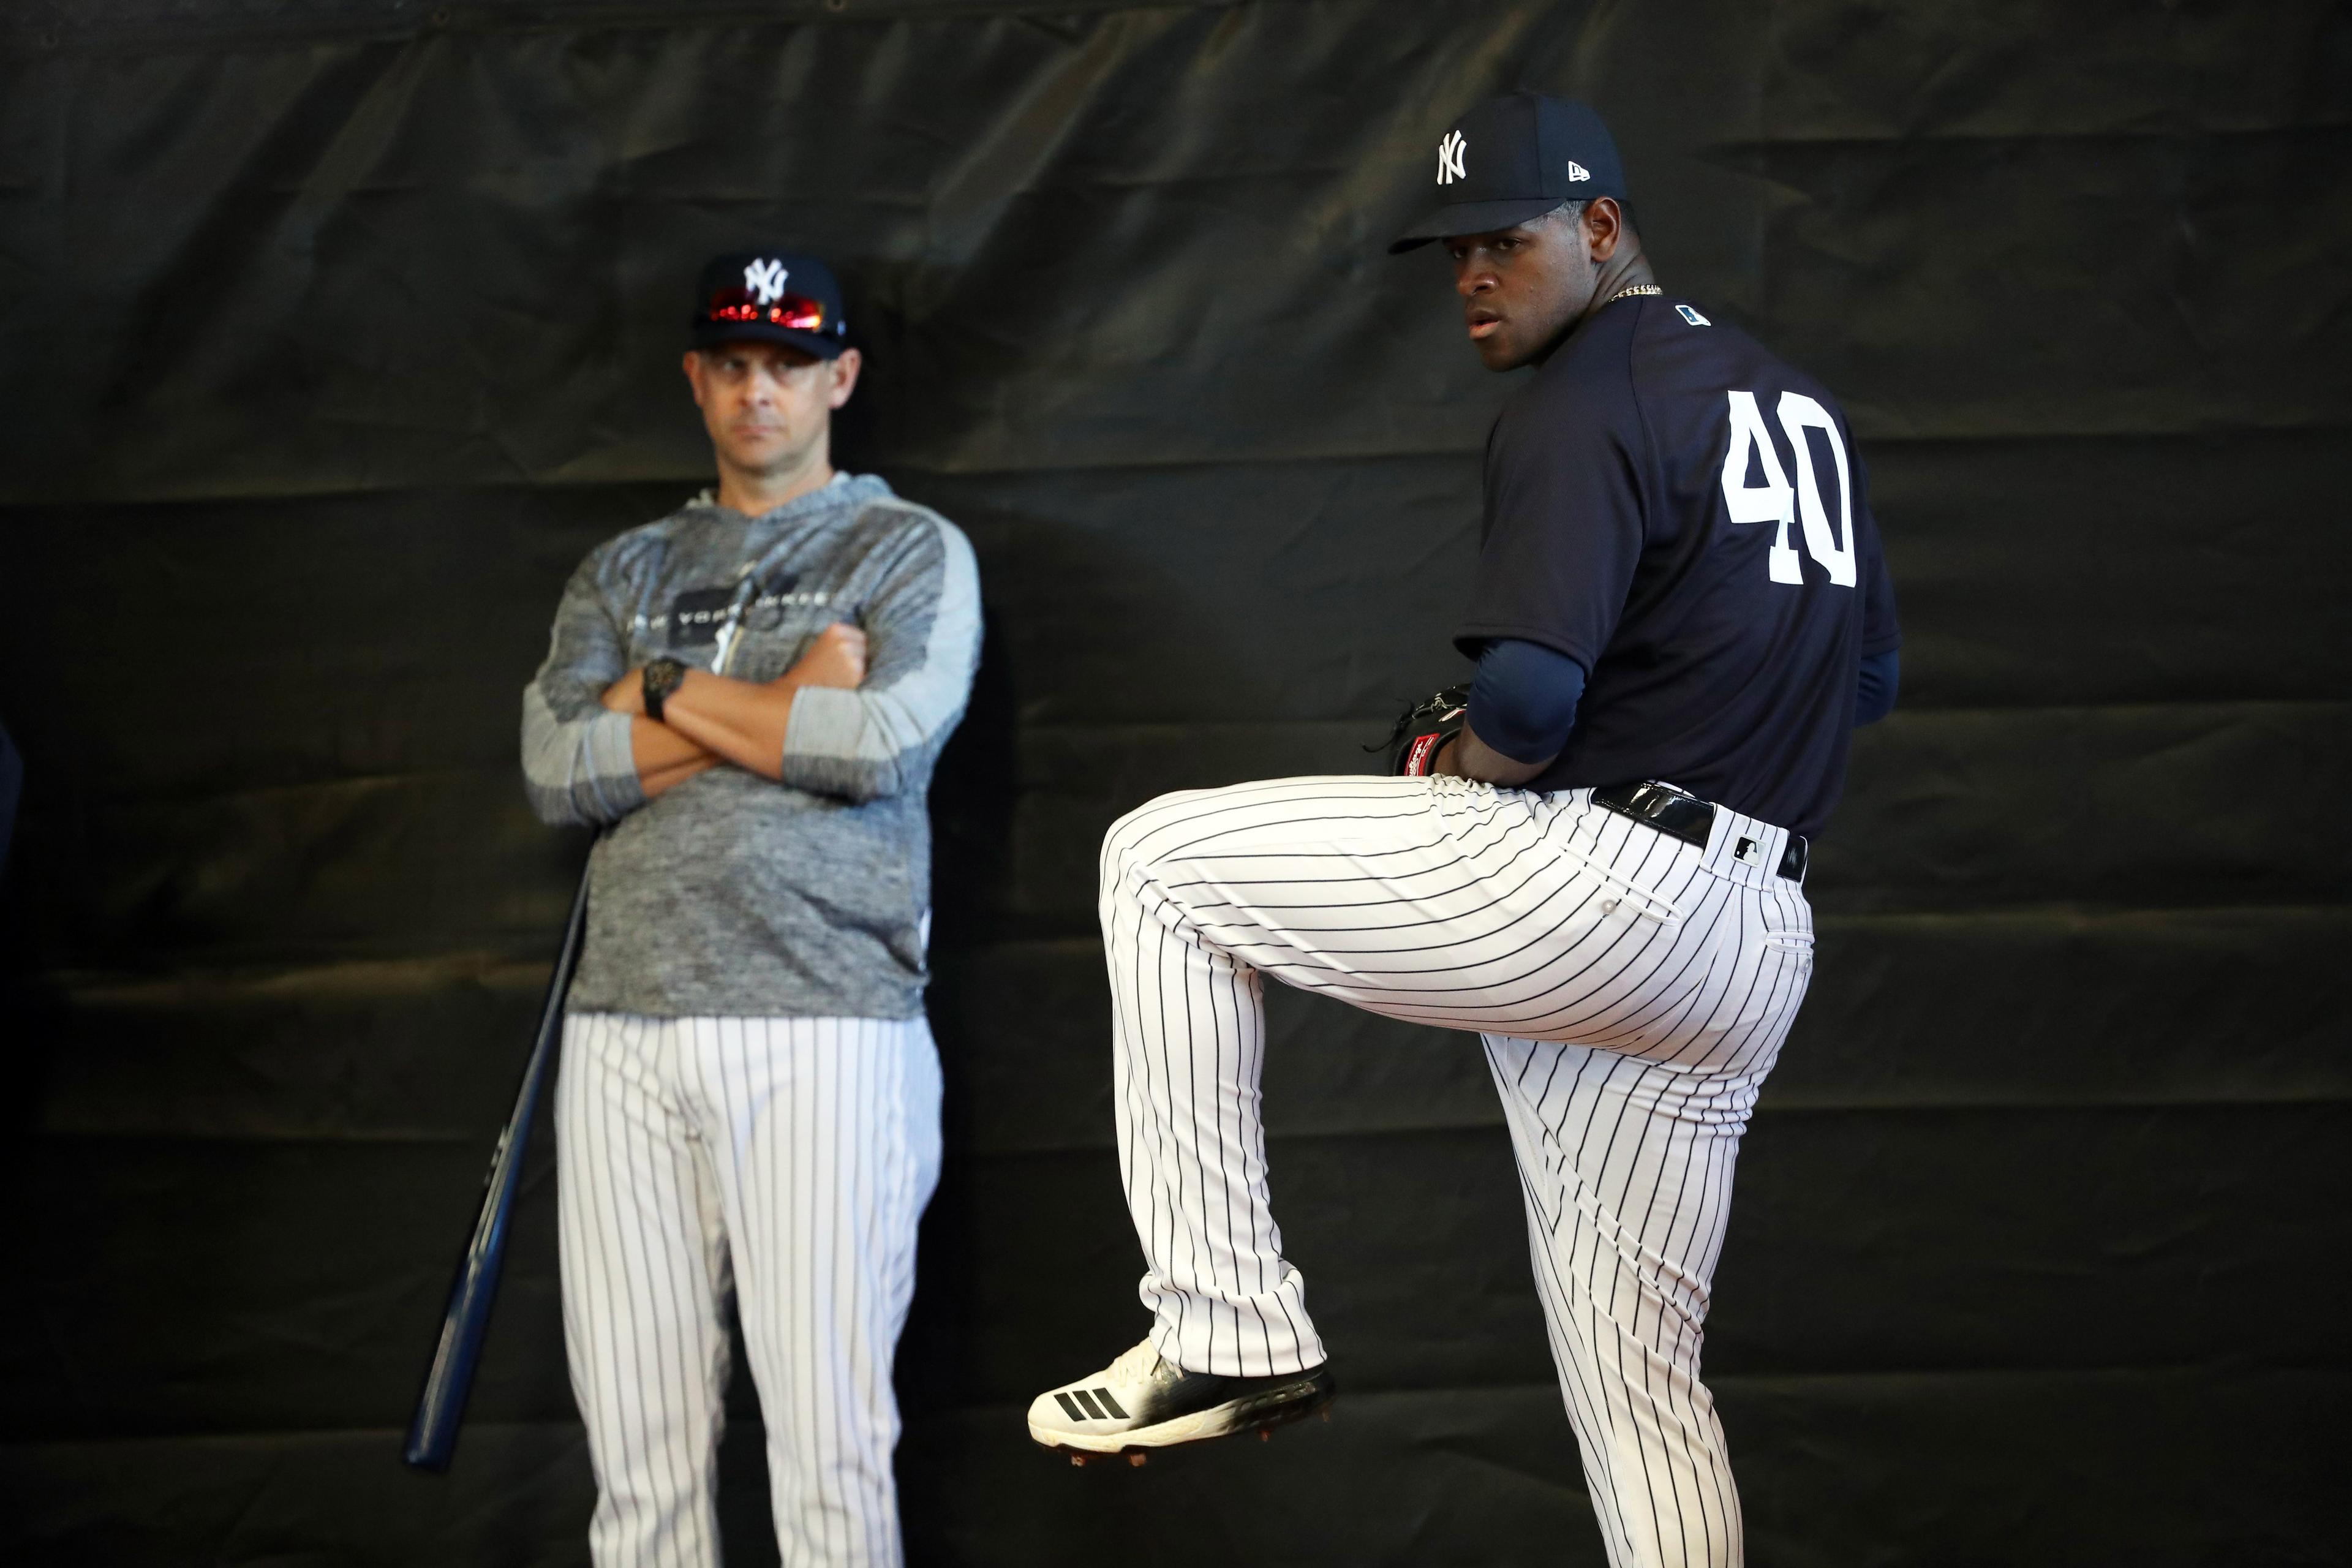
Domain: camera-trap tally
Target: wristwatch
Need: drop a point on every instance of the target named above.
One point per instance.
(662, 676)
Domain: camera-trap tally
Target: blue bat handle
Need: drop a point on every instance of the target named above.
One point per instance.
(433, 1434)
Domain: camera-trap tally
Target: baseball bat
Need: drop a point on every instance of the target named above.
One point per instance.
(433, 1434)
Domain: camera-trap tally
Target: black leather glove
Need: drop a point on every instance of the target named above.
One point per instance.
(1424, 727)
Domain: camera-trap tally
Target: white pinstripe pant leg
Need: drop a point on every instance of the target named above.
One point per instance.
(645, 1272)
(1626, 1158)
(1633, 991)
(1190, 1029)
(803, 1152)
(832, 1129)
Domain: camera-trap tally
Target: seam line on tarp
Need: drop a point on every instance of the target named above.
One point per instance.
(231, 960)
(2002, 139)
(2230, 1367)
(421, 19)
(2233, 1366)
(312, 495)
(476, 964)
(1767, 1111)
(88, 802)
(1195, 727)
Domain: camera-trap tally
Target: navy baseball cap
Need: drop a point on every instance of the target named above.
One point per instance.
(778, 296)
(1517, 157)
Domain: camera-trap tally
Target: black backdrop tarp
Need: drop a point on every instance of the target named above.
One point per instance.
(332, 333)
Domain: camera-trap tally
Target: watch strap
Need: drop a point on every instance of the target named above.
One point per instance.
(661, 678)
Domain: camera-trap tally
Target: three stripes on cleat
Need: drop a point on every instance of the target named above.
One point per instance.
(1080, 1406)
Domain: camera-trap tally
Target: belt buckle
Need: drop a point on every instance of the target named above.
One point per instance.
(1652, 804)
(1649, 802)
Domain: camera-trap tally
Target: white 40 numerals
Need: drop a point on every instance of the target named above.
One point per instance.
(1772, 502)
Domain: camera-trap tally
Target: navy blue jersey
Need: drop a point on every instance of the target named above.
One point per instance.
(1683, 515)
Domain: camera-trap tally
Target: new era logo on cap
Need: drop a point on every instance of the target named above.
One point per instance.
(1577, 170)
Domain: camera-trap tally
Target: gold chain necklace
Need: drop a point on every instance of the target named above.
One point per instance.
(1635, 289)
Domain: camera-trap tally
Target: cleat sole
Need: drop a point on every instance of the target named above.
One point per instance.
(1263, 1414)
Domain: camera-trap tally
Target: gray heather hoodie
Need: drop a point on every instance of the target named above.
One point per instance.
(730, 895)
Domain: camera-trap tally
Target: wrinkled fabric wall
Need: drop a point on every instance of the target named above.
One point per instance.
(333, 331)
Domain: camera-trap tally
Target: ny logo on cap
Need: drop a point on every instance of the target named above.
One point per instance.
(1577, 170)
(766, 280)
(1449, 158)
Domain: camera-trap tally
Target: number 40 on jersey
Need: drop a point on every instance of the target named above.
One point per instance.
(1772, 502)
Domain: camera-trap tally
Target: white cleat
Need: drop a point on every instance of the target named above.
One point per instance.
(1140, 1401)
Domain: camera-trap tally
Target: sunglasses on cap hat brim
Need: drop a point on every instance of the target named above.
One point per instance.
(793, 312)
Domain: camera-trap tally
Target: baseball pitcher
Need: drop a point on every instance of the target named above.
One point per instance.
(1594, 860)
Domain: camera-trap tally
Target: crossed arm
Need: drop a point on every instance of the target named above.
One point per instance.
(714, 719)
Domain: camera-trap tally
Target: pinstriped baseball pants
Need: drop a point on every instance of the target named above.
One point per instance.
(1631, 991)
(786, 1159)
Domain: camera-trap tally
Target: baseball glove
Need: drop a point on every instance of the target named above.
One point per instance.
(1424, 727)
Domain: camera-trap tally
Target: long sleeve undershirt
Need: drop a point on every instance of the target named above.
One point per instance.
(1523, 699)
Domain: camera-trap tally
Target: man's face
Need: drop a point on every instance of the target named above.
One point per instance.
(1522, 288)
(765, 404)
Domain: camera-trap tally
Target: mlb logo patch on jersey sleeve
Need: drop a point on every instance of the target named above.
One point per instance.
(1692, 317)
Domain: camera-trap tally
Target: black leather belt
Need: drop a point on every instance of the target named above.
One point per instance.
(1684, 816)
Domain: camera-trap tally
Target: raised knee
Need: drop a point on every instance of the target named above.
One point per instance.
(1127, 846)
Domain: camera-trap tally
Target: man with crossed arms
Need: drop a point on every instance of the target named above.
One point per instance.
(750, 695)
